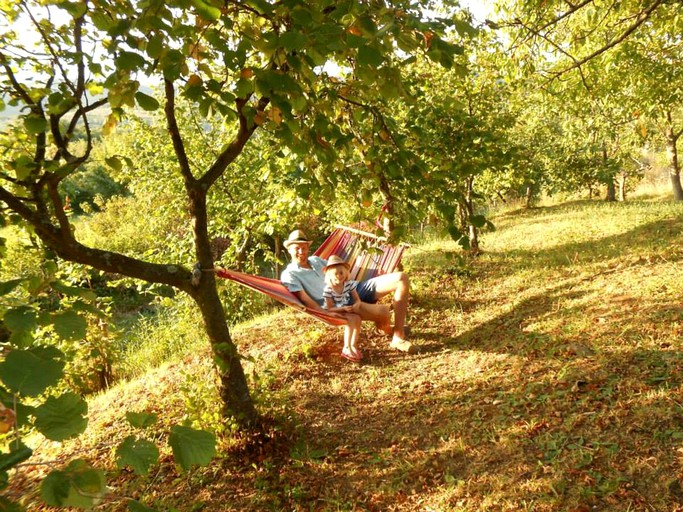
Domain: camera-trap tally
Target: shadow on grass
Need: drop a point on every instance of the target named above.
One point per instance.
(514, 441)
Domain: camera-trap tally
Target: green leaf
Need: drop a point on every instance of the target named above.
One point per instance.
(7, 505)
(79, 485)
(8, 286)
(146, 102)
(367, 25)
(369, 56)
(24, 166)
(478, 221)
(76, 9)
(139, 454)
(136, 506)
(114, 163)
(72, 291)
(30, 372)
(155, 46)
(129, 61)
(101, 19)
(293, 40)
(192, 447)
(35, 123)
(244, 87)
(141, 419)
(301, 16)
(206, 11)
(54, 489)
(62, 418)
(69, 325)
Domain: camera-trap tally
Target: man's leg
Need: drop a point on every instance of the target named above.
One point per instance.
(378, 313)
(398, 284)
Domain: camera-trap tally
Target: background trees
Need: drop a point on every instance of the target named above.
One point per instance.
(625, 55)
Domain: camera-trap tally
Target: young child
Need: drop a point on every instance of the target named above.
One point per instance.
(340, 296)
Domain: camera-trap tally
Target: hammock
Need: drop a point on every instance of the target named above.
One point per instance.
(369, 256)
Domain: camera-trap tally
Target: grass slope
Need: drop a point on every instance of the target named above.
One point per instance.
(548, 379)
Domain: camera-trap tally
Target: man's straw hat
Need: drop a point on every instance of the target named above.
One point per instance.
(296, 237)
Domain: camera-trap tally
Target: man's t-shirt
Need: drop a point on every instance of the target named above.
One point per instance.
(311, 280)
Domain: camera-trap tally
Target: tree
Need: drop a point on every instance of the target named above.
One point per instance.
(255, 65)
(632, 46)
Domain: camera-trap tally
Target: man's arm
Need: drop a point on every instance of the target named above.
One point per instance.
(307, 300)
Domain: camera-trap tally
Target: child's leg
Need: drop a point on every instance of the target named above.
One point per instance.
(353, 328)
(348, 333)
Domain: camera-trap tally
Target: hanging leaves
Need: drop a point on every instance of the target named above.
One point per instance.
(35, 123)
(192, 447)
(139, 454)
(62, 417)
(31, 372)
(69, 325)
(78, 485)
(146, 101)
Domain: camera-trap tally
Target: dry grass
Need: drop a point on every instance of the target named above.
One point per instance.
(549, 379)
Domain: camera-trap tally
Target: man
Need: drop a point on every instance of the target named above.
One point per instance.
(304, 278)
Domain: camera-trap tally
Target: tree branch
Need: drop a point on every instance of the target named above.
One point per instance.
(67, 248)
(642, 17)
(572, 10)
(174, 131)
(235, 147)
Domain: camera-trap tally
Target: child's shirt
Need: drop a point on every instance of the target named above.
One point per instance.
(340, 299)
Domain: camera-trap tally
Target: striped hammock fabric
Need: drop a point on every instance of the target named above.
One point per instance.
(368, 256)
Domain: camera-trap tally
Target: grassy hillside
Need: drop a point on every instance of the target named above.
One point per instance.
(548, 378)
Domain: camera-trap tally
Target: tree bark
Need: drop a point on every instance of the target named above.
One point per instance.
(611, 188)
(472, 231)
(672, 157)
(388, 206)
(529, 197)
(234, 389)
(622, 187)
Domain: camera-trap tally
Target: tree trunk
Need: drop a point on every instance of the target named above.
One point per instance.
(473, 232)
(672, 157)
(529, 197)
(622, 186)
(277, 256)
(388, 207)
(611, 188)
(234, 389)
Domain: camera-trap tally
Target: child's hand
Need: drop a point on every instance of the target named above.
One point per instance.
(356, 307)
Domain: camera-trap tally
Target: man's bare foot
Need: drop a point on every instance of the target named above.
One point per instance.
(402, 345)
